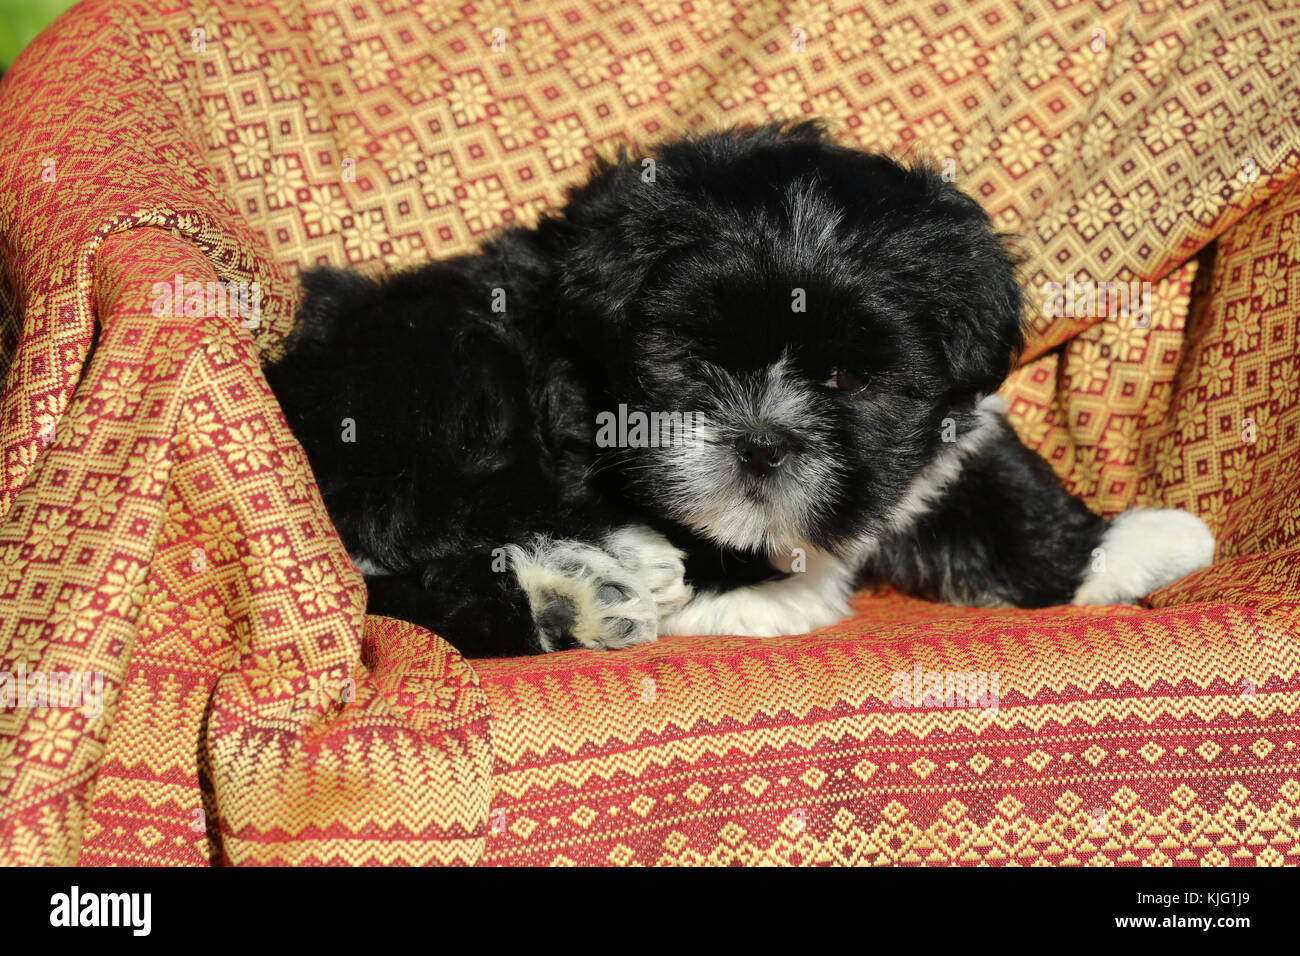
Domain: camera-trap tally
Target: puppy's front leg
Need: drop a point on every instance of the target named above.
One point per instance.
(802, 592)
(609, 597)
(990, 523)
(544, 594)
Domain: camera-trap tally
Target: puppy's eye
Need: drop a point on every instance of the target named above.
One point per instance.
(846, 381)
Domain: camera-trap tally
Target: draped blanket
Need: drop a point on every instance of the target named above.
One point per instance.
(187, 671)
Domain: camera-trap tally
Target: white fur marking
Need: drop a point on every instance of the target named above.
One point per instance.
(934, 479)
(652, 557)
(805, 601)
(1144, 550)
(367, 566)
(708, 491)
(819, 596)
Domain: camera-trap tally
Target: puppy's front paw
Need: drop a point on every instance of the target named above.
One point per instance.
(654, 559)
(1142, 551)
(581, 595)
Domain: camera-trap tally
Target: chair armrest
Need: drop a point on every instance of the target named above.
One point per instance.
(171, 543)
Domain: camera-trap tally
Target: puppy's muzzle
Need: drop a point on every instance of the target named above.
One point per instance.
(762, 453)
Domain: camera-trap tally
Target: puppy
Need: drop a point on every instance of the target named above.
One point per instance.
(720, 386)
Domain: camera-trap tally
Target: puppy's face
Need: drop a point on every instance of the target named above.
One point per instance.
(823, 321)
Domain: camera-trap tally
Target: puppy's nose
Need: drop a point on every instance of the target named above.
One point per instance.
(762, 452)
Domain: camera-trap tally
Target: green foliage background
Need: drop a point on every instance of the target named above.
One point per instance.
(21, 20)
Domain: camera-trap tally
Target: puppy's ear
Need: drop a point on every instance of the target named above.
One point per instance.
(984, 324)
(604, 243)
(976, 297)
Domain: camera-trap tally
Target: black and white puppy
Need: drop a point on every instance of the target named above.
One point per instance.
(717, 388)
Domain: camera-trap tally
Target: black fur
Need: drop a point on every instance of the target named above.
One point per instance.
(475, 429)
(1006, 533)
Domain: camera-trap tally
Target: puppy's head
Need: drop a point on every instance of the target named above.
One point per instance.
(830, 317)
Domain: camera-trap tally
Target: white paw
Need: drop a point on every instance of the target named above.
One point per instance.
(651, 556)
(806, 600)
(1143, 551)
(580, 594)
